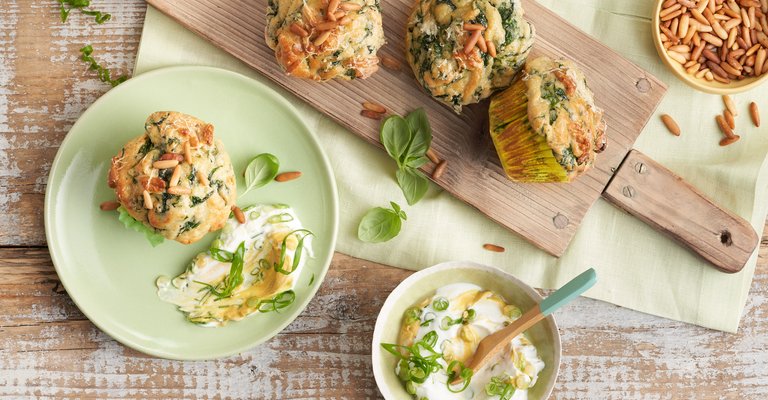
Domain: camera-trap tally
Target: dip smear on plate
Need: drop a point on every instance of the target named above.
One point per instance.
(252, 267)
(443, 332)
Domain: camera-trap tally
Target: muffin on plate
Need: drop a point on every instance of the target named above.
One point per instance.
(462, 51)
(322, 40)
(546, 126)
(176, 178)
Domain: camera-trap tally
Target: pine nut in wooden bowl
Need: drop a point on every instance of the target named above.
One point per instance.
(701, 29)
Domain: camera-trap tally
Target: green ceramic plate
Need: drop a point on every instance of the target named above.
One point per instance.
(110, 271)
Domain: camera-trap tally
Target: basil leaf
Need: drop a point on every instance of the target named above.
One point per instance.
(260, 171)
(413, 183)
(395, 135)
(421, 135)
(380, 224)
(152, 236)
(416, 163)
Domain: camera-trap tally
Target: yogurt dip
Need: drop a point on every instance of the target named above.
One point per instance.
(442, 333)
(252, 267)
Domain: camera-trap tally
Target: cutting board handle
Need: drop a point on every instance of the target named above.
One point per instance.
(651, 192)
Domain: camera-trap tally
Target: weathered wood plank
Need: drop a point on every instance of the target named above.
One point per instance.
(47, 348)
(44, 88)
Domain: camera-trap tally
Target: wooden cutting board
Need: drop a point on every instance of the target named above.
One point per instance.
(545, 214)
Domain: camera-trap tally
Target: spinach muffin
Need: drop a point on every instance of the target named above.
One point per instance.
(175, 178)
(461, 51)
(546, 126)
(322, 40)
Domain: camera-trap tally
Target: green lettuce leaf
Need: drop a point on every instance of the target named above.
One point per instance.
(153, 237)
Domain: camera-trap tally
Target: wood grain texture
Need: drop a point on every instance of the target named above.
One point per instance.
(44, 88)
(49, 350)
(651, 192)
(628, 94)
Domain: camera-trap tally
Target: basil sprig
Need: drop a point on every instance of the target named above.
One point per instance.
(260, 171)
(104, 74)
(407, 141)
(66, 6)
(235, 276)
(381, 224)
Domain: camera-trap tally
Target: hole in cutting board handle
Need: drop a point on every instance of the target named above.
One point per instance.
(725, 238)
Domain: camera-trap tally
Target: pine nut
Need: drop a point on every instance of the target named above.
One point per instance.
(730, 105)
(729, 119)
(201, 178)
(326, 26)
(729, 140)
(109, 206)
(349, 6)
(165, 164)
(472, 41)
(147, 200)
(491, 49)
(671, 125)
(727, 131)
(322, 38)
(332, 6)
(299, 30)
(179, 190)
(494, 248)
(175, 176)
(754, 112)
(371, 114)
(171, 156)
(439, 170)
(239, 216)
(473, 27)
(432, 156)
(374, 107)
(187, 153)
(288, 176)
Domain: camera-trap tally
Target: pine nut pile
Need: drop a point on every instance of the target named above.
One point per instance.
(717, 40)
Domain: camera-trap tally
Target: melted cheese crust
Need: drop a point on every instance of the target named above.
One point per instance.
(435, 48)
(184, 218)
(562, 108)
(348, 53)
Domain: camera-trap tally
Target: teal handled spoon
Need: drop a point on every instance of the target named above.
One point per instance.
(494, 343)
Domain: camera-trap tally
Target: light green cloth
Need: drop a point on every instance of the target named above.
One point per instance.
(636, 266)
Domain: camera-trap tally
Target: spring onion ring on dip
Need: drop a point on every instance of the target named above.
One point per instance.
(252, 267)
(440, 334)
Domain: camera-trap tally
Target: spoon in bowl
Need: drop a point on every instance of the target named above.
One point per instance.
(494, 343)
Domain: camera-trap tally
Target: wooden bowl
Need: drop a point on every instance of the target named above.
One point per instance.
(544, 335)
(703, 85)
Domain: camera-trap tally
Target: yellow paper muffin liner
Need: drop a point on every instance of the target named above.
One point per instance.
(525, 155)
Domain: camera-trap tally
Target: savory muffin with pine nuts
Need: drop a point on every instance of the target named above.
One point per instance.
(176, 178)
(546, 126)
(462, 51)
(322, 40)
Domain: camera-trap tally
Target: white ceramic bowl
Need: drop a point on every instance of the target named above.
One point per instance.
(544, 335)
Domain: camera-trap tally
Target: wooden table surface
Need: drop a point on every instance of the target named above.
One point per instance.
(49, 349)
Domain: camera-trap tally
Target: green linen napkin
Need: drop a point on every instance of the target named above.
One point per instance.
(638, 267)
